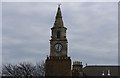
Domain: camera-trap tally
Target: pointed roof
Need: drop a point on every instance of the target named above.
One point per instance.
(58, 15)
(58, 19)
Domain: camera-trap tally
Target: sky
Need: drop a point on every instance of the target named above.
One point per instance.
(60, 0)
(92, 31)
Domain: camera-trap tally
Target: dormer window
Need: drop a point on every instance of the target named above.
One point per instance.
(58, 34)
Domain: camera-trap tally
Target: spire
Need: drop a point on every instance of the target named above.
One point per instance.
(59, 12)
(58, 20)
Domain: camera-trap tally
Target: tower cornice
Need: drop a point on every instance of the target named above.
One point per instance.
(59, 27)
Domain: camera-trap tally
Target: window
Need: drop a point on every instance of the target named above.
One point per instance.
(58, 34)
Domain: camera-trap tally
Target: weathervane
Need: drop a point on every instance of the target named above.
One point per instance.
(59, 4)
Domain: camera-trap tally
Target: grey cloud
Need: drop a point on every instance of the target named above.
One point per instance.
(92, 31)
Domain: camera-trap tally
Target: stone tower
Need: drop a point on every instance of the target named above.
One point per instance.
(58, 63)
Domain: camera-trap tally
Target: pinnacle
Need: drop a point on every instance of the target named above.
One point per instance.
(59, 13)
(58, 20)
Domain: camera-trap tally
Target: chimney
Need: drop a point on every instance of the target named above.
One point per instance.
(77, 69)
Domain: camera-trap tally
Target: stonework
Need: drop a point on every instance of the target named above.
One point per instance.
(77, 69)
(63, 51)
(58, 66)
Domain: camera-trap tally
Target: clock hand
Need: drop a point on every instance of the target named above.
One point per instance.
(58, 47)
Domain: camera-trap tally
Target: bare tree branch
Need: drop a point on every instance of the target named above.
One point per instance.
(24, 69)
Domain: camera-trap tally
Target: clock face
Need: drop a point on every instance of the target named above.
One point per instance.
(58, 47)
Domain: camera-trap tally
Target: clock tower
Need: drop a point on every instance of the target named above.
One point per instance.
(58, 42)
(58, 63)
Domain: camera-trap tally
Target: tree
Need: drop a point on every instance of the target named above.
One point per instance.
(40, 69)
(24, 69)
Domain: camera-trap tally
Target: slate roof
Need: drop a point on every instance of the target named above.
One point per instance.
(101, 70)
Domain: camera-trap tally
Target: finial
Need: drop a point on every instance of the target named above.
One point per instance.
(59, 5)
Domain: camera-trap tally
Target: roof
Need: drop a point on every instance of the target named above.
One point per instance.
(101, 70)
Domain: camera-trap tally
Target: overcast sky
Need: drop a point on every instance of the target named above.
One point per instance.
(92, 31)
(60, 0)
